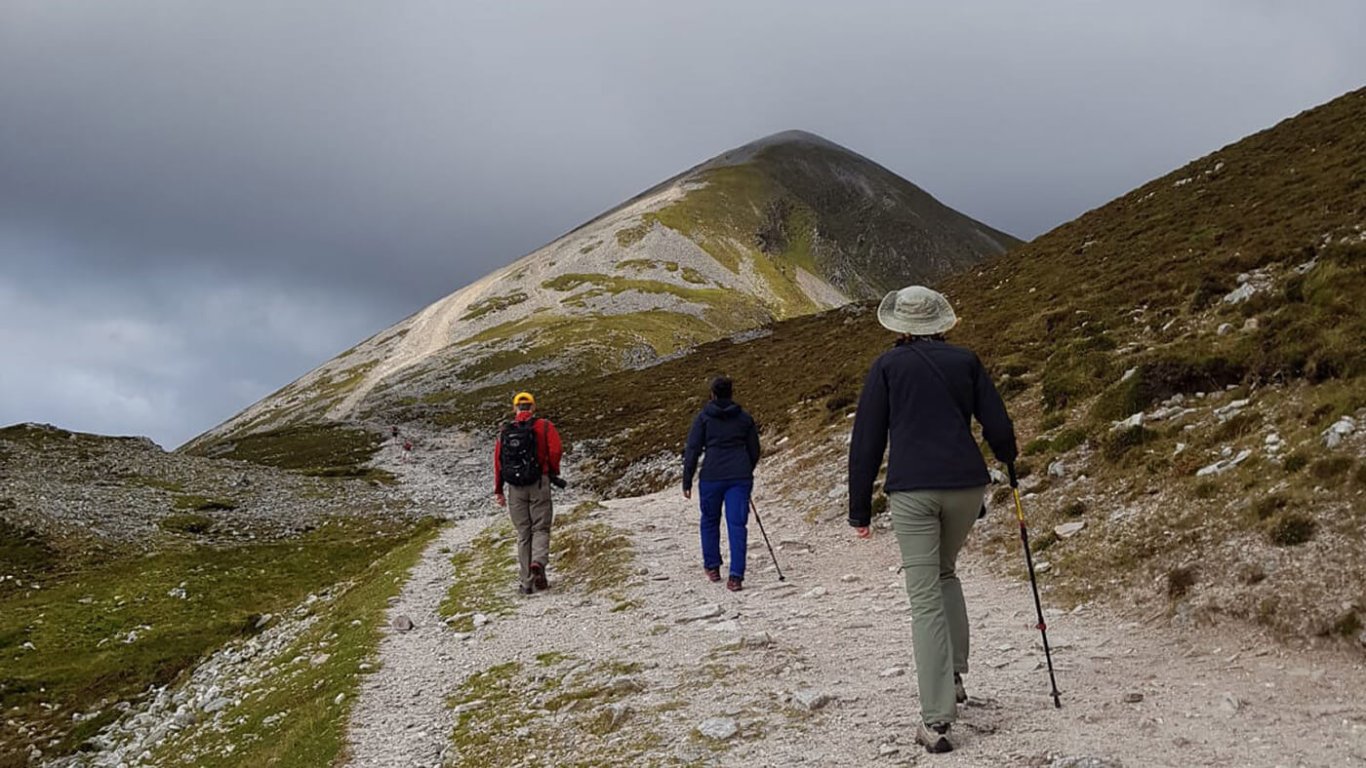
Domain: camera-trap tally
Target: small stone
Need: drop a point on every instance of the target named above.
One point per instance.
(218, 704)
(263, 621)
(814, 592)
(811, 700)
(849, 578)
(886, 750)
(758, 640)
(1224, 329)
(718, 728)
(1057, 469)
(1083, 762)
(1135, 420)
(1068, 530)
(892, 672)
(1133, 697)
(701, 612)
(340, 698)
(481, 620)
(403, 623)
(612, 716)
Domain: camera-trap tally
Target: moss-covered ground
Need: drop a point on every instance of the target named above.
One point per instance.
(88, 637)
(314, 699)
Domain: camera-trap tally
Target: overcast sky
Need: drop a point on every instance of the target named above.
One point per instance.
(199, 201)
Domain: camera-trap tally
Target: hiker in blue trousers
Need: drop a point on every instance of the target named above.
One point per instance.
(728, 436)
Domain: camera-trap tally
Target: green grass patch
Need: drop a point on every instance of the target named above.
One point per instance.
(485, 577)
(314, 731)
(1118, 443)
(493, 304)
(629, 236)
(570, 726)
(591, 553)
(186, 523)
(1290, 528)
(24, 554)
(204, 503)
(323, 450)
(80, 624)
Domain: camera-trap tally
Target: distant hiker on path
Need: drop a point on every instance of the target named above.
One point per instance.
(924, 393)
(731, 441)
(526, 457)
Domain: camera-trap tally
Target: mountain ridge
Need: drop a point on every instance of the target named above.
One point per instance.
(785, 225)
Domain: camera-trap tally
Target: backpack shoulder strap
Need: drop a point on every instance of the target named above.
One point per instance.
(939, 374)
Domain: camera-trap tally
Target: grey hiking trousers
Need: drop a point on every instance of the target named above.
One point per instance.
(530, 508)
(930, 528)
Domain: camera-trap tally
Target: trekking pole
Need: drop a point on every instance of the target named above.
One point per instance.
(758, 520)
(1033, 583)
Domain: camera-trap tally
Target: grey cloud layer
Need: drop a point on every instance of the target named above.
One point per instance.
(357, 161)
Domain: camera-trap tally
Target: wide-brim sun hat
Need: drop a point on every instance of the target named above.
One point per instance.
(917, 311)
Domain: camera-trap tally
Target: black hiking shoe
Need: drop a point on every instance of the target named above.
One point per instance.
(713, 574)
(735, 584)
(523, 589)
(934, 737)
(538, 580)
(959, 692)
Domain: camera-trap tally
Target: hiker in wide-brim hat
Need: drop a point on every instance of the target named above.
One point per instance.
(923, 395)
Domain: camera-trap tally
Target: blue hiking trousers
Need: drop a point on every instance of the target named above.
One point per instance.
(733, 495)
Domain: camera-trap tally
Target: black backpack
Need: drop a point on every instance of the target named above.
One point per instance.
(517, 453)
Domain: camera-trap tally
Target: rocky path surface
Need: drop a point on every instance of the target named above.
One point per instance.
(817, 670)
(401, 717)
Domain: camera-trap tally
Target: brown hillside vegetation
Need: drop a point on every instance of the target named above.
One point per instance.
(1136, 306)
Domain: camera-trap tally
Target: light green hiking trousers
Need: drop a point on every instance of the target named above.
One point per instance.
(931, 527)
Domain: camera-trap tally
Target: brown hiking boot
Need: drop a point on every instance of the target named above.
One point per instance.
(734, 584)
(713, 574)
(934, 737)
(538, 579)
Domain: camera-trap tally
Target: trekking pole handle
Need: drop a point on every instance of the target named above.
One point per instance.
(1010, 469)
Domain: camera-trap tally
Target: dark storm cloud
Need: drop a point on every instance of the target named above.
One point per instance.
(200, 202)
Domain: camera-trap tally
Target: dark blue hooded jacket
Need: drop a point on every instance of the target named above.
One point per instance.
(731, 442)
(924, 395)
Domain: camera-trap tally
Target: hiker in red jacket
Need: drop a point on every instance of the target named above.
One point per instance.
(526, 457)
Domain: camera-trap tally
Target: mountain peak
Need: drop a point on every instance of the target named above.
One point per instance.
(786, 225)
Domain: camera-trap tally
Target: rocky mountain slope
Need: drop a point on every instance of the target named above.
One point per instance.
(1185, 364)
(784, 226)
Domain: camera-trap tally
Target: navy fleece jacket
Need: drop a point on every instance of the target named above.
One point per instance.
(929, 420)
(731, 441)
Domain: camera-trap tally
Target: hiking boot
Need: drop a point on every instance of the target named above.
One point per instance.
(735, 584)
(934, 737)
(959, 692)
(523, 589)
(538, 580)
(713, 574)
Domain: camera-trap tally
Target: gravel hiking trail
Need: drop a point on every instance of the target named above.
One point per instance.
(817, 670)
